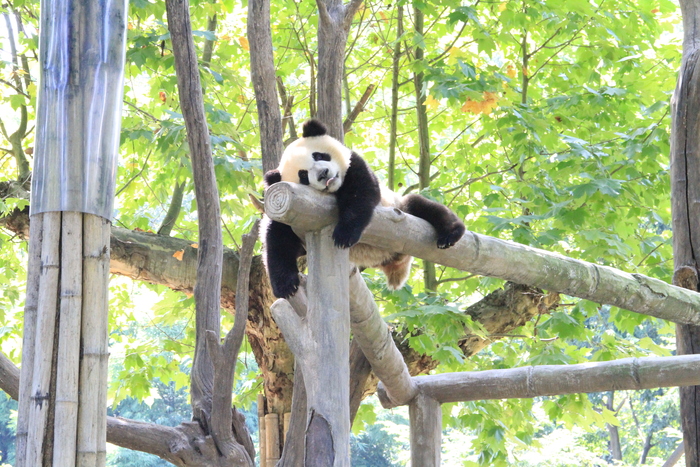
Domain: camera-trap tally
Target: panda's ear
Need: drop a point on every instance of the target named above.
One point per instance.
(313, 128)
(272, 177)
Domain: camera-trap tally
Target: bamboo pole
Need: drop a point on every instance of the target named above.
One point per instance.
(305, 209)
(40, 395)
(272, 441)
(93, 366)
(262, 432)
(29, 336)
(67, 364)
(285, 427)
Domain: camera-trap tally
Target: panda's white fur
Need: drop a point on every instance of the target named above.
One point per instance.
(325, 164)
(298, 156)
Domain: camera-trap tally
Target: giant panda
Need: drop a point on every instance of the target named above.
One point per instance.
(324, 163)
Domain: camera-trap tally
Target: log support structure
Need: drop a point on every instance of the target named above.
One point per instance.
(334, 300)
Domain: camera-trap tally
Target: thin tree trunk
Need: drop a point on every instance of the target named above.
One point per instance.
(262, 69)
(173, 210)
(429, 278)
(685, 194)
(614, 441)
(395, 97)
(207, 292)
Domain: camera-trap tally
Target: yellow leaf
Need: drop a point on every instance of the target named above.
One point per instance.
(431, 102)
(485, 106)
(453, 54)
(178, 255)
(470, 106)
(511, 71)
(384, 16)
(195, 245)
(244, 43)
(502, 6)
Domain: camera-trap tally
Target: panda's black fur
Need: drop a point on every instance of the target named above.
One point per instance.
(324, 163)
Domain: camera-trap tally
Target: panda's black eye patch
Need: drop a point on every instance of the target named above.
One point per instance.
(321, 156)
(304, 177)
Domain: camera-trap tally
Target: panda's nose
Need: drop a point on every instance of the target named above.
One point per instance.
(323, 174)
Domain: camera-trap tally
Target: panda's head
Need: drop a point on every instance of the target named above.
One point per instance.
(316, 159)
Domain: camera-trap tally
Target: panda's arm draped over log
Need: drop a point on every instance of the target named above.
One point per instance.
(325, 164)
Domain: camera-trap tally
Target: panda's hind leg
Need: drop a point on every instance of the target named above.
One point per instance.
(448, 226)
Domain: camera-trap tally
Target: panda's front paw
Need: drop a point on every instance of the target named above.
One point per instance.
(285, 286)
(449, 238)
(345, 237)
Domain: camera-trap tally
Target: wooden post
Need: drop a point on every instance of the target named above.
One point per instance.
(92, 415)
(321, 345)
(272, 439)
(426, 431)
(262, 433)
(40, 395)
(29, 339)
(67, 364)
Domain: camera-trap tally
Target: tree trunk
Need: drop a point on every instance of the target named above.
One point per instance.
(614, 442)
(685, 194)
(213, 366)
(429, 279)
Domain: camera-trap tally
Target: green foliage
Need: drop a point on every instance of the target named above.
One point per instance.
(549, 126)
(8, 421)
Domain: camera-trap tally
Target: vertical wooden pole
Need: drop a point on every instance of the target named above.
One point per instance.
(426, 431)
(67, 364)
(320, 342)
(272, 441)
(327, 378)
(93, 366)
(262, 433)
(40, 394)
(29, 336)
(685, 194)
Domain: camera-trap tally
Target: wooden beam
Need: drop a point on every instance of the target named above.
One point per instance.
(306, 209)
(374, 338)
(550, 380)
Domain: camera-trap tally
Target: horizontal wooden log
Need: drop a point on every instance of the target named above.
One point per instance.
(550, 380)
(307, 209)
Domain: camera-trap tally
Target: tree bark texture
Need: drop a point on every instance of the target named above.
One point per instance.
(213, 367)
(614, 433)
(334, 21)
(262, 68)
(210, 249)
(320, 341)
(685, 197)
(306, 209)
(426, 431)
